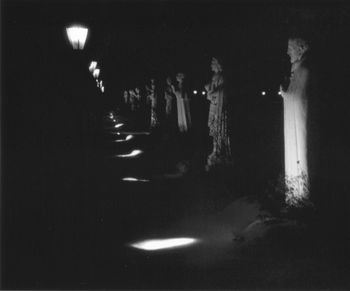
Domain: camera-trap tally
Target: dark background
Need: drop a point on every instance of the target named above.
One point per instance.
(48, 94)
(46, 85)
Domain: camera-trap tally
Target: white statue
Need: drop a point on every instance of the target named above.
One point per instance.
(218, 118)
(295, 101)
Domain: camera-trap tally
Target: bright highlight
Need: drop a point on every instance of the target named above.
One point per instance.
(118, 125)
(92, 66)
(134, 153)
(129, 137)
(96, 73)
(159, 244)
(132, 179)
(77, 36)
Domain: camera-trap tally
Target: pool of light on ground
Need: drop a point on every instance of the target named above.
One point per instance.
(134, 179)
(133, 153)
(160, 244)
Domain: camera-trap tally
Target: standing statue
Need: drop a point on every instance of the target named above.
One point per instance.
(218, 117)
(138, 97)
(126, 97)
(132, 100)
(183, 104)
(295, 102)
(170, 109)
(152, 99)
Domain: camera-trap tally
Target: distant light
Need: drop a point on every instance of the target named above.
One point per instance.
(96, 73)
(77, 36)
(263, 93)
(114, 119)
(92, 66)
(118, 125)
(279, 93)
(132, 179)
(134, 153)
(195, 92)
(159, 244)
(203, 92)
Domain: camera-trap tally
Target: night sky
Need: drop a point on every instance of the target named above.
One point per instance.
(44, 79)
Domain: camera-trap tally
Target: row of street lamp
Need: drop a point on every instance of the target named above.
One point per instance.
(77, 36)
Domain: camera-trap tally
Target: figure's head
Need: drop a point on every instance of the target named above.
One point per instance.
(131, 91)
(180, 77)
(137, 90)
(216, 65)
(125, 93)
(168, 81)
(297, 48)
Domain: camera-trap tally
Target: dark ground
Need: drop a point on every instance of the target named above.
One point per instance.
(69, 221)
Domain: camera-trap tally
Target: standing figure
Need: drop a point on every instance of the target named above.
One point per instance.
(183, 104)
(138, 97)
(132, 100)
(296, 143)
(126, 100)
(126, 97)
(218, 117)
(152, 100)
(170, 109)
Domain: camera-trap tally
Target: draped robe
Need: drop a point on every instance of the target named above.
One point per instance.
(183, 110)
(152, 98)
(218, 122)
(295, 103)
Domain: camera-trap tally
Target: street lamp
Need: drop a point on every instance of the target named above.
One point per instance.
(77, 35)
(92, 66)
(96, 73)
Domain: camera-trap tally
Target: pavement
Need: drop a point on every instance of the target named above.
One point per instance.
(79, 227)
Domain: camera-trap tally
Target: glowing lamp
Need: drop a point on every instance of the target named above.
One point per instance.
(203, 93)
(195, 92)
(92, 66)
(77, 36)
(263, 93)
(159, 244)
(96, 73)
(279, 93)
